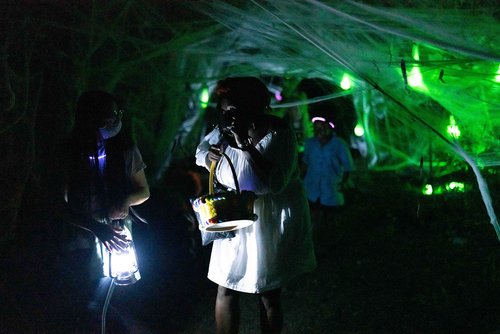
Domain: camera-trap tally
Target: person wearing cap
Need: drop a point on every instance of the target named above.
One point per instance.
(266, 256)
(327, 162)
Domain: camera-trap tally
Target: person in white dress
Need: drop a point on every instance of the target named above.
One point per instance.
(266, 256)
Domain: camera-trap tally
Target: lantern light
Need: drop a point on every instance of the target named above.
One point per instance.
(123, 265)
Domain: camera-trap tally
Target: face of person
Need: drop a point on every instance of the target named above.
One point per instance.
(231, 116)
(228, 110)
(322, 130)
(112, 124)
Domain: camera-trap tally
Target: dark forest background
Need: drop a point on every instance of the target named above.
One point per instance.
(405, 263)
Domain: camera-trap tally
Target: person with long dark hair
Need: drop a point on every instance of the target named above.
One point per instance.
(105, 177)
(271, 253)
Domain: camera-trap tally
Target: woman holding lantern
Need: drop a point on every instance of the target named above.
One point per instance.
(105, 177)
(269, 254)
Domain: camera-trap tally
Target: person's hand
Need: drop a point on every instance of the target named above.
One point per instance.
(214, 153)
(239, 130)
(111, 237)
(118, 211)
(241, 138)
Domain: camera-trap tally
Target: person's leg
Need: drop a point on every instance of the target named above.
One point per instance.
(227, 311)
(335, 220)
(317, 221)
(271, 313)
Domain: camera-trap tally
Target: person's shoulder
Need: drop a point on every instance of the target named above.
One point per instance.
(340, 140)
(339, 143)
(214, 132)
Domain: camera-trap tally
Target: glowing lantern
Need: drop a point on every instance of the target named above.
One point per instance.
(123, 265)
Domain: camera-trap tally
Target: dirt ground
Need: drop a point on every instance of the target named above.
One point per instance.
(398, 262)
(388, 270)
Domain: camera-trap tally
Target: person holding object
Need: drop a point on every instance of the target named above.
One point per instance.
(104, 178)
(262, 258)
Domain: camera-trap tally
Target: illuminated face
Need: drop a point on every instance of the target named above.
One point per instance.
(112, 124)
(113, 118)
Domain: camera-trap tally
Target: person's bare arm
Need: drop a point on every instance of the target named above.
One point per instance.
(140, 184)
(138, 196)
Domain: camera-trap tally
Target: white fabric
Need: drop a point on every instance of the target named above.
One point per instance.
(278, 247)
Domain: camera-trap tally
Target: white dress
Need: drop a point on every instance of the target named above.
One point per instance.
(278, 246)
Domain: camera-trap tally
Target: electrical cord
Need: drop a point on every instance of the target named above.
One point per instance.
(105, 307)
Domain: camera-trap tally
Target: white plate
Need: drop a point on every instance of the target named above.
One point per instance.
(228, 226)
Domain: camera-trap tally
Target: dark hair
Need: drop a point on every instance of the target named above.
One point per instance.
(92, 108)
(246, 93)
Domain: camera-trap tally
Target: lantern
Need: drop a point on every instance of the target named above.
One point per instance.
(123, 267)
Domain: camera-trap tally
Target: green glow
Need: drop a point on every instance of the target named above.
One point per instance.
(414, 52)
(439, 190)
(452, 186)
(346, 82)
(415, 79)
(358, 130)
(453, 129)
(455, 186)
(204, 97)
(497, 77)
(427, 190)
